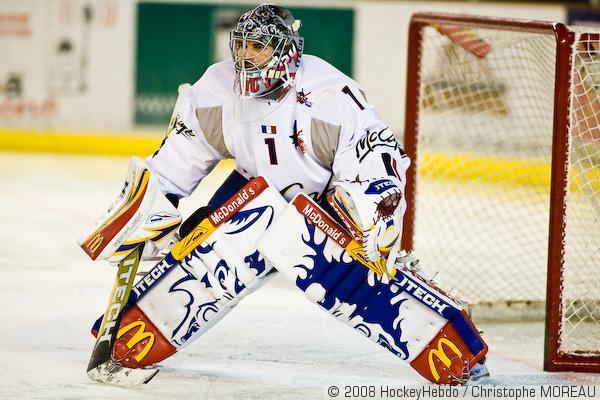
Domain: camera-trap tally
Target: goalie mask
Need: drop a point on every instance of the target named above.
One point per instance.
(266, 50)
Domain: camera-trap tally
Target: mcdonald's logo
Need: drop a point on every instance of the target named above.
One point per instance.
(441, 355)
(140, 335)
(95, 242)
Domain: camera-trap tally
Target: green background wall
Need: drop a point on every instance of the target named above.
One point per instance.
(175, 45)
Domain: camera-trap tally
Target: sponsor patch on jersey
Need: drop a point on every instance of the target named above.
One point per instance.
(375, 139)
(379, 186)
(302, 98)
(296, 137)
(178, 127)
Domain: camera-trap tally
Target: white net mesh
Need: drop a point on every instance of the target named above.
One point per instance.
(484, 153)
(581, 277)
(484, 145)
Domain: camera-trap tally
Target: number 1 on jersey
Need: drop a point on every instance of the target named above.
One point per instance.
(270, 142)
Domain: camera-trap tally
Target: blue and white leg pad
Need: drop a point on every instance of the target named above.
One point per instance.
(196, 292)
(405, 316)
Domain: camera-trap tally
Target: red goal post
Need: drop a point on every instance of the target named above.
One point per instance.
(472, 89)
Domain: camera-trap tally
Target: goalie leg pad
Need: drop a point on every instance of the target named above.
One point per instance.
(405, 315)
(201, 280)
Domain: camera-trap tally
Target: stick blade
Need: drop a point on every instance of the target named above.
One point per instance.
(111, 373)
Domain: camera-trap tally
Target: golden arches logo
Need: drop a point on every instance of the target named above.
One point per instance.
(140, 335)
(441, 355)
(95, 242)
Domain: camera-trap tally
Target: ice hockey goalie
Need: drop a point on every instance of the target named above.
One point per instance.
(225, 257)
(317, 194)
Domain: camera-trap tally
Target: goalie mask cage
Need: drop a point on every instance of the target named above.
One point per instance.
(503, 127)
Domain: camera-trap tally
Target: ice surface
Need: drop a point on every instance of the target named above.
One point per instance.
(274, 345)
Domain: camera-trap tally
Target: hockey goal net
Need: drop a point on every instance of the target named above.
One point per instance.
(503, 127)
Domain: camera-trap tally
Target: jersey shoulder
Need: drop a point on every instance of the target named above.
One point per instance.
(215, 86)
(317, 74)
(334, 96)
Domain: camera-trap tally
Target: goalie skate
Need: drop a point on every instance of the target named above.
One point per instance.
(477, 373)
(111, 373)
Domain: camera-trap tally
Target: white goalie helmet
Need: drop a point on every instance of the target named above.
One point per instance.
(266, 50)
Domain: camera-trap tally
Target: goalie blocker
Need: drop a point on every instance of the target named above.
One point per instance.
(408, 316)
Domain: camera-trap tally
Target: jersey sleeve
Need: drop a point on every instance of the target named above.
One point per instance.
(185, 156)
(367, 148)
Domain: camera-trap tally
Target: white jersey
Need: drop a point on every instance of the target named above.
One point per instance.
(321, 130)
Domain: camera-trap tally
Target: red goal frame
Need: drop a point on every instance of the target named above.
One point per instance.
(554, 359)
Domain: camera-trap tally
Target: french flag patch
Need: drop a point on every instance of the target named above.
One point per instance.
(269, 129)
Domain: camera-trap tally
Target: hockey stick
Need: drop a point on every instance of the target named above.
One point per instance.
(102, 367)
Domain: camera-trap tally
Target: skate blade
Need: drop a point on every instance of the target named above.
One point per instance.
(111, 373)
(478, 374)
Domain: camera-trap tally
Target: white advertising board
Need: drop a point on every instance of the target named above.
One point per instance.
(66, 64)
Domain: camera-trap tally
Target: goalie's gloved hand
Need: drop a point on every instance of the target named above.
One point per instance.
(140, 214)
(372, 210)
